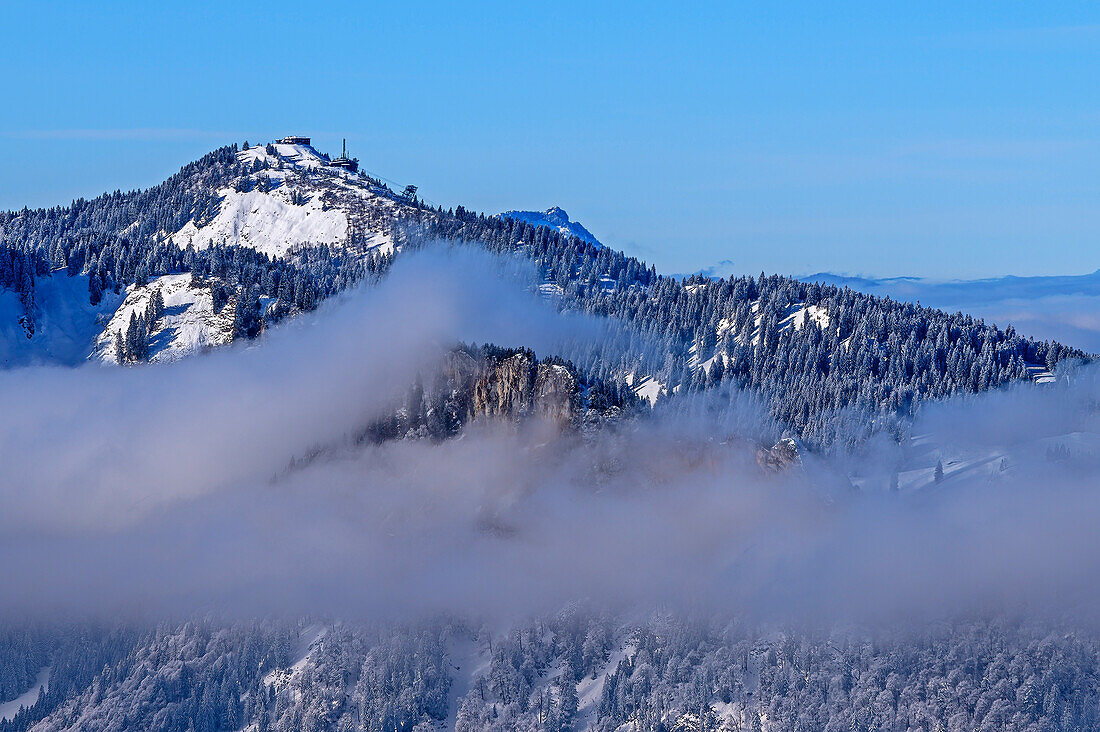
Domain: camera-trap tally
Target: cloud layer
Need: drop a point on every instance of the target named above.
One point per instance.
(167, 489)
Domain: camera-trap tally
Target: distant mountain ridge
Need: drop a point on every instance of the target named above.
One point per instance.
(556, 218)
(1060, 307)
(977, 291)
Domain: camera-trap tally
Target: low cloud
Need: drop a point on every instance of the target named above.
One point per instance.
(166, 489)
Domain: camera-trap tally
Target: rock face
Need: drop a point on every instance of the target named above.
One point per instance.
(782, 456)
(502, 384)
(520, 386)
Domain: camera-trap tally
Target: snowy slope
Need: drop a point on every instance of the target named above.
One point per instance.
(266, 222)
(189, 324)
(646, 388)
(468, 661)
(68, 330)
(555, 218)
(308, 640)
(28, 699)
(649, 389)
(794, 318)
(331, 204)
(66, 325)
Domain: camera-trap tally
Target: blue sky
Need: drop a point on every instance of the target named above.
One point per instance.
(935, 139)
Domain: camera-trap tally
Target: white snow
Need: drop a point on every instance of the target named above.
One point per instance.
(468, 662)
(68, 330)
(590, 688)
(66, 324)
(550, 290)
(816, 313)
(554, 218)
(301, 156)
(189, 324)
(9, 709)
(794, 317)
(267, 222)
(1040, 374)
(307, 642)
(649, 389)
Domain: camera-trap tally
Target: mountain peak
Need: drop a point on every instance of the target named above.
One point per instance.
(556, 218)
(557, 215)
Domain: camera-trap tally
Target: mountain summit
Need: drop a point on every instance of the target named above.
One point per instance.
(556, 218)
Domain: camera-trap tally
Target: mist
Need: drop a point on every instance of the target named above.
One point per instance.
(180, 488)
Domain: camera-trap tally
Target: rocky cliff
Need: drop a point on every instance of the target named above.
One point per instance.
(503, 384)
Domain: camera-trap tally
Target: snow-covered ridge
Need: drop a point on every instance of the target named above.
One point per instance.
(555, 218)
(301, 156)
(293, 200)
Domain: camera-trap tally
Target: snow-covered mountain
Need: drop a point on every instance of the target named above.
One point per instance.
(284, 200)
(240, 240)
(286, 203)
(243, 238)
(556, 218)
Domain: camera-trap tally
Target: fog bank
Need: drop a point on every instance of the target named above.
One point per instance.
(166, 489)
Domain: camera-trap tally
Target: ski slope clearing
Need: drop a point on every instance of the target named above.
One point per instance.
(268, 223)
(308, 641)
(590, 688)
(468, 661)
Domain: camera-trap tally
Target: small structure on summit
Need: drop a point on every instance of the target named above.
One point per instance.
(344, 161)
(292, 140)
(409, 192)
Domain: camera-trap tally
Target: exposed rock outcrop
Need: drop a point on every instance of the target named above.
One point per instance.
(782, 456)
(504, 384)
(520, 386)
